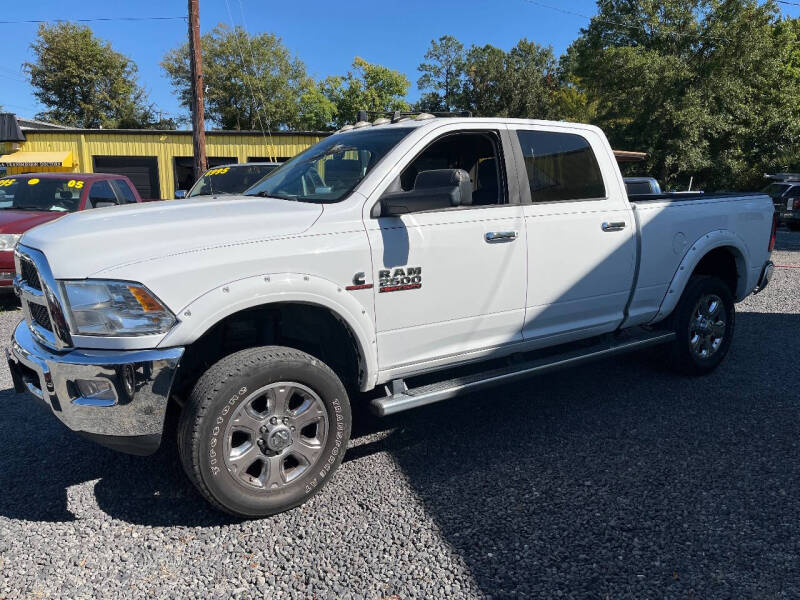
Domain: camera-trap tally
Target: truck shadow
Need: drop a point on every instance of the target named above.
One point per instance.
(623, 474)
(502, 472)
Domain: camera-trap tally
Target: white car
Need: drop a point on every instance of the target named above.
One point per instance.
(387, 256)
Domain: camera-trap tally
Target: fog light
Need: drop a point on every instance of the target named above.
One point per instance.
(97, 390)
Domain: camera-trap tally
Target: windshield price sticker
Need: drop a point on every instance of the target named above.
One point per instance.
(220, 171)
(33, 181)
(75, 183)
(7, 182)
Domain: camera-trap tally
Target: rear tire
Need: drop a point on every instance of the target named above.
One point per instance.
(704, 322)
(263, 430)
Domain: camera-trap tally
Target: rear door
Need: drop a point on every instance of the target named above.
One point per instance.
(581, 243)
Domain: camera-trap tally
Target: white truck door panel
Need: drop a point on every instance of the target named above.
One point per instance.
(580, 275)
(581, 250)
(472, 292)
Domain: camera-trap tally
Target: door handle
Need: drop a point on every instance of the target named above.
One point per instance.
(494, 237)
(613, 226)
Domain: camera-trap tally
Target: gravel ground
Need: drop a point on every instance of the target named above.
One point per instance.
(620, 480)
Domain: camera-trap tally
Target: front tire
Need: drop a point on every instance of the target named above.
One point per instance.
(704, 323)
(263, 430)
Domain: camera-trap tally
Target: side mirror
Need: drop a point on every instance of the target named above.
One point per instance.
(180, 194)
(433, 190)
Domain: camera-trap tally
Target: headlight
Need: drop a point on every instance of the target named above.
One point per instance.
(9, 240)
(99, 307)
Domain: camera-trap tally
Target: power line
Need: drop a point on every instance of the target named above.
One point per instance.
(632, 26)
(92, 20)
(263, 101)
(256, 105)
(12, 75)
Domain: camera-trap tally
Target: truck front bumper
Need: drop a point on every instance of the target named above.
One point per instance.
(118, 399)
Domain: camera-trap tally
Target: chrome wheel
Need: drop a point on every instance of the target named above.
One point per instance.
(275, 435)
(707, 326)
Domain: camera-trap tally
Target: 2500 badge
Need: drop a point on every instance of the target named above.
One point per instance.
(399, 279)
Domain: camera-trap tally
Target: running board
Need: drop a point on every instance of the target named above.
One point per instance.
(404, 399)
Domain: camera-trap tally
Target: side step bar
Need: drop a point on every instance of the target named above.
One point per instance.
(404, 399)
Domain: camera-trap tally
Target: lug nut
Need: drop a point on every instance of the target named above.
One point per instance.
(285, 420)
(263, 429)
(274, 420)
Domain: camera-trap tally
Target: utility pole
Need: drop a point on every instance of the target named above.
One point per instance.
(198, 105)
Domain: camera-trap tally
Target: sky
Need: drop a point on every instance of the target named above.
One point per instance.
(326, 36)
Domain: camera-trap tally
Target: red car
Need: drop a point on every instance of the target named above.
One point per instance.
(35, 198)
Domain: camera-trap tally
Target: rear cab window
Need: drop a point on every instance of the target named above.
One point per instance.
(560, 166)
(124, 191)
(101, 194)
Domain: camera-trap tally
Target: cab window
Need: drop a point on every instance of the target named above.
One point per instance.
(560, 166)
(476, 153)
(101, 195)
(124, 191)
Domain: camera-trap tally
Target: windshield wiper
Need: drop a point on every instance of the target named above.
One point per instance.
(278, 196)
(37, 208)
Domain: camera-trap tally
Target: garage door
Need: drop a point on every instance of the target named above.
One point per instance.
(141, 170)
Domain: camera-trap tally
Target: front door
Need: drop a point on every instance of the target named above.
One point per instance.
(450, 282)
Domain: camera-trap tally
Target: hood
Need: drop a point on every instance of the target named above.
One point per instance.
(19, 221)
(83, 243)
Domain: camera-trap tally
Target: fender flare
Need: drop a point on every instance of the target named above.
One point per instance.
(720, 238)
(205, 311)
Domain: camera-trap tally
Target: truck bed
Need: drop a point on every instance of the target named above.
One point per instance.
(681, 196)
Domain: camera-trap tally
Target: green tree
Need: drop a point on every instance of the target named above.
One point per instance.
(484, 74)
(366, 87)
(252, 81)
(704, 86)
(84, 82)
(317, 111)
(525, 82)
(442, 75)
(531, 81)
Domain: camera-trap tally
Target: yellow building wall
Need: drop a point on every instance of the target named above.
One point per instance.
(165, 146)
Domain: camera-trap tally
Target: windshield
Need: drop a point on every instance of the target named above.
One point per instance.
(329, 170)
(233, 179)
(50, 195)
(776, 190)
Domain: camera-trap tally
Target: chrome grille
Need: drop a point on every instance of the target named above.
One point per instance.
(40, 316)
(28, 274)
(41, 300)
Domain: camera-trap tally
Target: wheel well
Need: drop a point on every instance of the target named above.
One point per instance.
(310, 328)
(720, 262)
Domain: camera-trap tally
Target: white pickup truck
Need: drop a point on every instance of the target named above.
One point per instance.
(383, 259)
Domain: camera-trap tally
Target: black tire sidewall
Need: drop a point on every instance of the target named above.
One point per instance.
(222, 486)
(697, 288)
